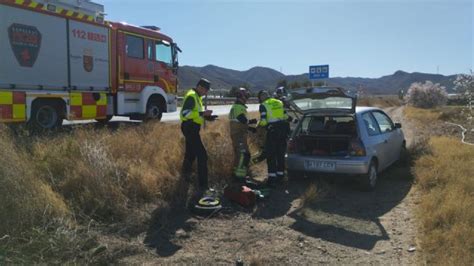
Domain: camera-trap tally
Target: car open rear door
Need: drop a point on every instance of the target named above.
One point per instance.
(322, 100)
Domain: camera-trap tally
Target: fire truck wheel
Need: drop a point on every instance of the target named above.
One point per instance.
(153, 109)
(46, 115)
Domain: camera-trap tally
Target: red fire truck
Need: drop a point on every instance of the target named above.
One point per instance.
(61, 60)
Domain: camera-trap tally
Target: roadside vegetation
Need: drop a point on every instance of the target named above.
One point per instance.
(426, 95)
(379, 101)
(57, 190)
(444, 176)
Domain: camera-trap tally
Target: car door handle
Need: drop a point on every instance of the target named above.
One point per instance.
(385, 141)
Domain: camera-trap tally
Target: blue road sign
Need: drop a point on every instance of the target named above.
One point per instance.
(319, 72)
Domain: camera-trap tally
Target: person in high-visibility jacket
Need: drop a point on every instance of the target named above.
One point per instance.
(274, 118)
(239, 126)
(192, 116)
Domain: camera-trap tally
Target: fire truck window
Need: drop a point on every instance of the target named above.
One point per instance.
(163, 53)
(149, 47)
(134, 47)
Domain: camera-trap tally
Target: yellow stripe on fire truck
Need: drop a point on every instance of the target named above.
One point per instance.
(12, 106)
(54, 9)
(87, 105)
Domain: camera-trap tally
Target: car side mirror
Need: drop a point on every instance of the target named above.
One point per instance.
(398, 125)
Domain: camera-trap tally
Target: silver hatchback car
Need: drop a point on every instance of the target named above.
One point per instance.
(333, 136)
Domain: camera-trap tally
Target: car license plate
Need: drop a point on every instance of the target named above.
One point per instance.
(319, 165)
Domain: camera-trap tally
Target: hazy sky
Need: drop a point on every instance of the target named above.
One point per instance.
(356, 38)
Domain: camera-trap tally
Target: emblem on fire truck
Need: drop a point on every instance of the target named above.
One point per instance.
(25, 41)
(88, 60)
(88, 63)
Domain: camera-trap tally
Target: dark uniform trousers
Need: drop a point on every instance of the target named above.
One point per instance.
(194, 149)
(275, 146)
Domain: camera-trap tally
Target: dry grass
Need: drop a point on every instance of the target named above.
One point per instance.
(379, 101)
(424, 116)
(26, 200)
(108, 176)
(310, 195)
(445, 177)
(455, 114)
(105, 175)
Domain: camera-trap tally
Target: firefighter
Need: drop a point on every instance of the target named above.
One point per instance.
(192, 116)
(239, 126)
(274, 118)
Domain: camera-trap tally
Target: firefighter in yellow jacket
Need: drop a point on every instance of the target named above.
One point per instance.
(192, 116)
(239, 127)
(274, 118)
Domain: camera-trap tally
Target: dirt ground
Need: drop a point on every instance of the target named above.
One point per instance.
(334, 223)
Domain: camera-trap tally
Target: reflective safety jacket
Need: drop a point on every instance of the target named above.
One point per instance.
(238, 113)
(271, 111)
(192, 108)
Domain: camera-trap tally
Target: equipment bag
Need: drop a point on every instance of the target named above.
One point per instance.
(242, 195)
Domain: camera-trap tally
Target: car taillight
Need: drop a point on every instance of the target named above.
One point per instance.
(291, 146)
(357, 148)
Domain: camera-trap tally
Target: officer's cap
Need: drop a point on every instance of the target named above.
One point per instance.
(204, 83)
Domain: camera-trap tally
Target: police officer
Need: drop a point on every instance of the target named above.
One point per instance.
(192, 117)
(239, 126)
(274, 118)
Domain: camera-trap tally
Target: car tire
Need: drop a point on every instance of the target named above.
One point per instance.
(369, 181)
(403, 156)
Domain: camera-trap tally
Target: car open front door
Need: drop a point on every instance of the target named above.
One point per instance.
(322, 99)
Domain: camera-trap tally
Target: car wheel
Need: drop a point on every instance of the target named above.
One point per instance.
(369, 180)
(403, 156)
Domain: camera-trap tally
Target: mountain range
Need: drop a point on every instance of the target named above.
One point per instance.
(258, 78)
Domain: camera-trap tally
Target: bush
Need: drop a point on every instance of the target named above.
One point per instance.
(427, 95)
(464, 83)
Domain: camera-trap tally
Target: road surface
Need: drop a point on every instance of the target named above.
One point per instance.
(220, 110)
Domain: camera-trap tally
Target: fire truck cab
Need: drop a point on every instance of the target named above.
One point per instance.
(147, 69)
(62, 60)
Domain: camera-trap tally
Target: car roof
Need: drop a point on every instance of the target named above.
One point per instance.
(362, 109)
